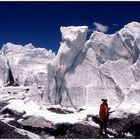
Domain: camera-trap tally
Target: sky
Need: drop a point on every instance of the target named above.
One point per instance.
(39, 22)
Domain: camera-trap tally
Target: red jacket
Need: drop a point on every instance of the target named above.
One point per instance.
(103, 113)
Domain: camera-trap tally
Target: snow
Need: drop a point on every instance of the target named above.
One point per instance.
(27, 133)
(33, 109)
(92, 123)
(128, 135)
(5, 119)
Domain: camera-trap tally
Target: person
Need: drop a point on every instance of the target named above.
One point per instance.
(104, 116)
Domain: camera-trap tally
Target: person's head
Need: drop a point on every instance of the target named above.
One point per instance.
(104, 100)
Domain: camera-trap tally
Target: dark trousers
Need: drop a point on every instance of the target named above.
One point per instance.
(103, 126)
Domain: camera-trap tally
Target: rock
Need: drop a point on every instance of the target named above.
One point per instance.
(8, 132)
(60, 111)
(36, 121)
(76, 131)
(13, 112)
(14, 108)
(129, 124)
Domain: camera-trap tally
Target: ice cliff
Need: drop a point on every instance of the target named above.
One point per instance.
(83, 71)
(24, 64)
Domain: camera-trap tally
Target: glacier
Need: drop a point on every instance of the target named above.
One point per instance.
(81, 73)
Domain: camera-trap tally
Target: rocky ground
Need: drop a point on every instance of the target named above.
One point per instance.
(89, 128)
(9, 132)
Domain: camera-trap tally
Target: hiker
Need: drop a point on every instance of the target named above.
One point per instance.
(104, 116)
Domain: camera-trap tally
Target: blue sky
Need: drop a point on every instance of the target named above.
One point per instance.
(39, 22)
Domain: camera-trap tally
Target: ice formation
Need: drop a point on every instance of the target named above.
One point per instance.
(83, 71)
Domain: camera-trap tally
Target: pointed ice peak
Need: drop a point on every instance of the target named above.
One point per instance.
(131, 29)
(100, 35)
(72, 29)
(10, 47)
(99, 38)
(28, 50)
(133, 25)
(72, 33)
(29, 46)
